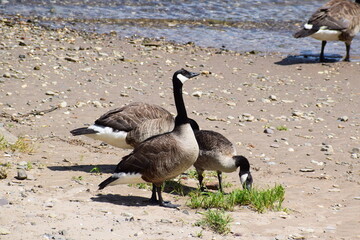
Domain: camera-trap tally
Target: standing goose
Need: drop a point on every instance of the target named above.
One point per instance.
(164, 156)
(218, 154)
(337, 20)
(129, 125)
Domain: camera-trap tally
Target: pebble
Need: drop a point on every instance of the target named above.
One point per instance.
(197, 94)
(275, 145)
(246, 117)
(4, 231)
(273, 98)
(21, 174)
(268, 131)
(343, 119)
(307, 169)
(3, 173)
(63, 104)
(328, 149)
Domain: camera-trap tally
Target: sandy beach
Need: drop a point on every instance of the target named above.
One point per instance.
(52, 81)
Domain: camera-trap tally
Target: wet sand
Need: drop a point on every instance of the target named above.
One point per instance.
(52, 81)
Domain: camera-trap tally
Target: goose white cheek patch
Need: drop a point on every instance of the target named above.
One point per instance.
(182, 78)
(243, 178)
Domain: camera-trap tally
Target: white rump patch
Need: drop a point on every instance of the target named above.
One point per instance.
(243, 178)
(126, 178)
(108, 135)
(325, 34)
(308, 26)
(182, 78)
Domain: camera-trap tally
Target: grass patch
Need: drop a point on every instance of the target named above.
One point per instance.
(282, 128)
(217, 220)
(259, 200)
(96, 170)
(21, 145)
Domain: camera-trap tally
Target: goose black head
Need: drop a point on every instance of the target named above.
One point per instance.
(182, 76)
(244, 173)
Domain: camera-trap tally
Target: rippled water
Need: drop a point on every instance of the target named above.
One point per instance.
(243, 25)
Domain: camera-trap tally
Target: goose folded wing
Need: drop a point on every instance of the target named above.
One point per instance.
(329, 17)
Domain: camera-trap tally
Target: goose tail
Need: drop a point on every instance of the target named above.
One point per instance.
(82, 131)
(106, 182)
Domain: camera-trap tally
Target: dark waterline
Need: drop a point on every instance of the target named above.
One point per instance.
(244, 25)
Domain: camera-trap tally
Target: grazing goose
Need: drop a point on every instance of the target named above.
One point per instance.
(218, 154)
(129, 125)
(164, 156)
(337, 20)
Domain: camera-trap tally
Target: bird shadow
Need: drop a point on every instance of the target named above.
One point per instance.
(308, 58)
(171, 187)
(103, 168)
(122, 200)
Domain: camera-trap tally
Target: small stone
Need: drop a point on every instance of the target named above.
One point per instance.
(275, 145)
(22, 56)
(3, 173)
(327, 148)
(50, 93)
(21, 174)
(97, 104)
(273, 98)
(22, 43)
(197, 94)
(298, 113)
(7, 75)
(70, 59)
(343, 119)
(231, 103)
(63, 104)
(37, 67)
(307, 170)
(268, 131)
(4, 231)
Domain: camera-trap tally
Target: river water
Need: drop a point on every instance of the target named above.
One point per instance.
(246, 25)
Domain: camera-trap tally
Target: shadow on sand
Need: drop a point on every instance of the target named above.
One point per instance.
(103, 168)
(308, 59)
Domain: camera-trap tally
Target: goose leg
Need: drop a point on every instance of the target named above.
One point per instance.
(161, 200)
(153, 198)
(347, 57)
(322, 58)
(200, 178)
(219, 174)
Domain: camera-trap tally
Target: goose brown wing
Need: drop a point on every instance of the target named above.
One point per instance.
(128, 117)
(154, 159)
(211, 141)
(331, 15)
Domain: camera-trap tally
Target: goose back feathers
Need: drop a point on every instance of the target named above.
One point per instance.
(129, 125)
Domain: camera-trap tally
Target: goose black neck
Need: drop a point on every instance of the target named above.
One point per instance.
(181, 117)
(242, 162)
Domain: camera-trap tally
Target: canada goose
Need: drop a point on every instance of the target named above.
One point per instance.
(218, 154)
(164, 156)
(129, 125)
(337, 20)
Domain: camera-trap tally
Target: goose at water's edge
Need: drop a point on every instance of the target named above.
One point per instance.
(161, 157)
(337, 20)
